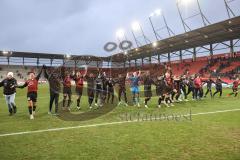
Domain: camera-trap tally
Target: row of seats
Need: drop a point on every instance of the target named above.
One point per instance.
(232, 66)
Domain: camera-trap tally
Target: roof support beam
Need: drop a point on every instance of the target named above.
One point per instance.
(231, 48)
(194, 54)
(180, 55)
(169, 58)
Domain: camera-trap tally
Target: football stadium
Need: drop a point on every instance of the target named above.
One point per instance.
(163, 87)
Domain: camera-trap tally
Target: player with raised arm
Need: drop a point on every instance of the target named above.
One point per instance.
(54, 80)
(67, 91)
(147, 82)
(32, 84)
(110, 90)
(134, 82)
(90, 88)
(121, 81)
(160, 85)
(99, 89)
(78, 77)
(9, 85)
(104, 87)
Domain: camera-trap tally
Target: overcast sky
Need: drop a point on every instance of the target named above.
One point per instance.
(84, 26)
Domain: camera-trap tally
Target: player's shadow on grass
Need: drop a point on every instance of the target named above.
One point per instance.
(96, 112)
(88, 114)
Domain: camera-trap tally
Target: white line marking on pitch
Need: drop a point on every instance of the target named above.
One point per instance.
(102, 124)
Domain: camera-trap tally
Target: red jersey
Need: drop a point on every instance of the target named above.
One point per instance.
(32, 85)
(79, 82)
(67, 82)
(235, 84)
(197, 82)
(169, 81)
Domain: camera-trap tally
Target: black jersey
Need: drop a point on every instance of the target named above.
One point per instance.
(219, 83)
(147, 82)
(121, 81)
(99, 83)
(90, 82)
(183, 83)
(104, 83)
(191, 83)
(9, 86)
(160, 84)
(110, 85)
(209, 83)
(54, 81)
(176, 84)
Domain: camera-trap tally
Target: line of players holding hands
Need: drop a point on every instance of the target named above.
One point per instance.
(169, 88)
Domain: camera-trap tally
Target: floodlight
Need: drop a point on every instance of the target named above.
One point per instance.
(136, 26)
(5, 52)
(68, 56)
(186, 2)
(154, 44)
(158, 12)
(120, 33)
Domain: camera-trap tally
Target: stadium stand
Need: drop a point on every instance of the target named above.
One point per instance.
(20, 72)
(227, 67)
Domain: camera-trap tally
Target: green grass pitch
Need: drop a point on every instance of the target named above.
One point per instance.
(207, 136)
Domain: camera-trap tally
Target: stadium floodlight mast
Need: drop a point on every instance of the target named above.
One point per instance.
(136, 27)
(230, 11)
(186, 3)
(157, 13)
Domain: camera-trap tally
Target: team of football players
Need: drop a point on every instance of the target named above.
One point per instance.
(169, 88)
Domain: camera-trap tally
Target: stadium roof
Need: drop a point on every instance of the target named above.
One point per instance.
(51, 56)
(215, 33)
(33, 55)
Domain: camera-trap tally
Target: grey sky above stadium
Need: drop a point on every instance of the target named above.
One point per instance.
(84, 26)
